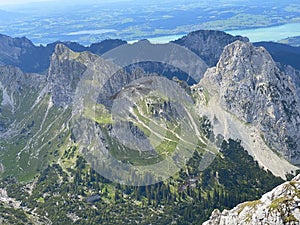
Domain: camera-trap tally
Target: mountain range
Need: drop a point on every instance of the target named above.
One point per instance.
(243, 122)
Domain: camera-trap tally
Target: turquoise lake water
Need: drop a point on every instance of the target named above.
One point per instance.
(274, 33)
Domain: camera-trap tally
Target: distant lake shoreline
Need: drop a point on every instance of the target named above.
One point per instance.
(271, 33)
(161, 39)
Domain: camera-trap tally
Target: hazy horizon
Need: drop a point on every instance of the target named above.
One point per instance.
(90, 21)
(5, 3)
(86, 2)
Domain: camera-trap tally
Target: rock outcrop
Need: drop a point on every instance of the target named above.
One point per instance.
(294, 74)
(65, 71)
(251, 87)
(71, 71)
(279, 206)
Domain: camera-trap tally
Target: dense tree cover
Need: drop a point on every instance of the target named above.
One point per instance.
(13, 216)
(187, 198)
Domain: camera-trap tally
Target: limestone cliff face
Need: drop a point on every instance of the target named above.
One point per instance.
(294, 74)
(67, 69)
(64, 74)
(208, 44)
(279, 206)
(251, 87)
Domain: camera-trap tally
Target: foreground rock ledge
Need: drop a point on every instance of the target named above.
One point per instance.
(279, 206)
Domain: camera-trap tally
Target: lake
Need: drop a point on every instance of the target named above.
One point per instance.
(274, 33)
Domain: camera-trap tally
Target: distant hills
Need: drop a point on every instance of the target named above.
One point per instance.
(203, 43)
(22, 53)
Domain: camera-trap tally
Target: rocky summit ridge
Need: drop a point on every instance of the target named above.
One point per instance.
(208, 44)
(279, 206)
(248, 84)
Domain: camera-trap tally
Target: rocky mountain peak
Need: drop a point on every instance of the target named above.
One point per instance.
(251, 87)
(66, 70)
(241, 60)
(61, 49)
(279, 206)
(208, 44)
(64, 73)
